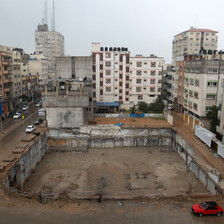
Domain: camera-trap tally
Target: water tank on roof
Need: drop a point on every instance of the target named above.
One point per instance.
(209, 51)
(123, 49)
(201, 52)
(220, 52)
(119, 49)
(101, 49)
(106, 48)
(204, 52)
(126, 49)
(215, 51)
(115, 49)
(110, 49)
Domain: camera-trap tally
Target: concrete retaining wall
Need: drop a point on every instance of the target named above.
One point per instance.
(168, 117)
(27, 163)
(209, 176)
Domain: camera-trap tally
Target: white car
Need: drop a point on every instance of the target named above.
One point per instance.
(38, 104)
(30, 128)
(26, 107)
(17, 115)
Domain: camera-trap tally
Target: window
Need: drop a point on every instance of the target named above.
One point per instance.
(127, 85)
(212, 70)
(121, 67)
(108, 55)
(101, 75)
(127, 78)
(101, 67)
(190, 93)
(101, 57)
(139, 64)
(192, 82)
(121, 58)
(120, 91)
(196, 82)
(190, 104)
(108, 72)
(138, 89)
(208, 108)
(138, 72)
(196, 95)
(138, 81)
(195, 106)
(153, 64)
(108, 89)
(108, 81)
(140, 97)
(185, 102)
(108, 63)
(152, 81)
(152, 89)
(127, 69)
(211, 96)
(101, 83)
(153, 72)
(212, 83)
(159, 81)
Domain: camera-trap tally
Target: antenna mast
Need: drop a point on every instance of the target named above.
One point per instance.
(53, 18)
(45, 13)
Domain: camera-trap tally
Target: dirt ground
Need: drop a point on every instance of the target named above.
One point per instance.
(114, 172)
(133, 122)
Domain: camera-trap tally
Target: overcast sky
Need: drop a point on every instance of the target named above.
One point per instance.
(144, 26)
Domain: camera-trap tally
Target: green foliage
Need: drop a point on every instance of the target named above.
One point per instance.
(157, 106)
(133, 109)
(212, 115)
(143, 107)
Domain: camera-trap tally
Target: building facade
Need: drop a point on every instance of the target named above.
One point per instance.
(74, 67)
(50, 44)
(38, 67)
(124, 80)
(192, 41)
(145, 78)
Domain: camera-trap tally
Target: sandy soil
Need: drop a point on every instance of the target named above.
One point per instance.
(114, 171)
(133, 122)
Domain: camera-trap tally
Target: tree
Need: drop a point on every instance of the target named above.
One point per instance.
(133, 109)
(143, 107)
(157, 106)
(212, 115)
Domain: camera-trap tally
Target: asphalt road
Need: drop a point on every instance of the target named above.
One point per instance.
(109, 212)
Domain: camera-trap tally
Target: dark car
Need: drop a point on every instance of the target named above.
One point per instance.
(38, 121)
(12, 113)
(207, 208)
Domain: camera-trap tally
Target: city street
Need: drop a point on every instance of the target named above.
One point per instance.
(14, 130)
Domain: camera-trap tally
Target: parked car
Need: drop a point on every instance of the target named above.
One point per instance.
(207, 208)
(17, 115)
(38, 104)
(11, 113)
(38, 121)
(25, 107)
(170, 107)
(30, 128)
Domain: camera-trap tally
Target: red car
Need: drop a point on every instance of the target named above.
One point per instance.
(207, 208)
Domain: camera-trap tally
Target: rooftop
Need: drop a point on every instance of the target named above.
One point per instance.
(198, 30)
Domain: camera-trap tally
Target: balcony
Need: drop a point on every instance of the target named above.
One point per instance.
(4, 63)
(6, 90)
(5, 81)
(5, 72)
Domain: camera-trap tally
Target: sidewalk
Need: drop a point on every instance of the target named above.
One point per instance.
(203, 150)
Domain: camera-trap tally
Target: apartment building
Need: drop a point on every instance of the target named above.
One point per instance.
(172, 85)
(50, 44)
(203, 87)
(121, 80)
(38, 67)
(192, 41)
(145, 78)
(111, 75)
(5, 61)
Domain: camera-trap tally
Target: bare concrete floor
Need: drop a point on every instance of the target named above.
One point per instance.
(114, 171)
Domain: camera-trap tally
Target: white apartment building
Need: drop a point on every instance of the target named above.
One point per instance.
(50, 44)
(145, 78)
(110, 74)
(117, 78)
(38, 66)
(202, 86)
(192, 41)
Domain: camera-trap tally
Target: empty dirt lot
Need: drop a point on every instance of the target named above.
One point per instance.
(118, 172)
